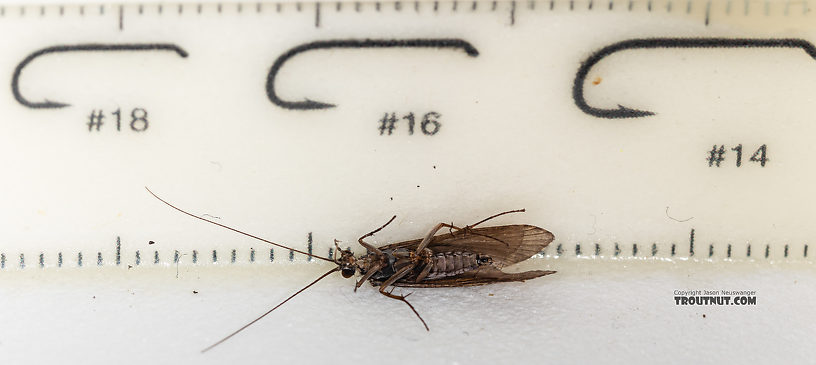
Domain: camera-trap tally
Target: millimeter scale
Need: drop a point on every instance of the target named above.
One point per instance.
(666, 144)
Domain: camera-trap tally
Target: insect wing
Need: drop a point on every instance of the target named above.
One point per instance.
(506, 245)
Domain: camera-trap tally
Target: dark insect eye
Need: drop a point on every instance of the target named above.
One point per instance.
(347, 272)
(484, 260)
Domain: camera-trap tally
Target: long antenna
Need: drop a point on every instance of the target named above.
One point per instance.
(276, 307)
(233, 229)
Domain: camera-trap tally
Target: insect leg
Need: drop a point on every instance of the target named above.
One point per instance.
(371, 271)
(430, 235)
(369, 234)
(425, 271)
(398, 275)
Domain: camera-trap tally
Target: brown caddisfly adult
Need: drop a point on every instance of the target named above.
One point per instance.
(465, 256)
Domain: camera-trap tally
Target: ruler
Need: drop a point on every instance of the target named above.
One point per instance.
(666, 144)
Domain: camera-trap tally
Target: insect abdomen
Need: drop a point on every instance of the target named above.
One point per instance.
(451, 263)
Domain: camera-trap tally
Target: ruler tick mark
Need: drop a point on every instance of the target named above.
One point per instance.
(252, 255)
(691, 243)
(240, 8)
(512, 13)
(42, 10)
(578, 249)
(309, 240)
(233, 254)
(214, 256)
(617, 250)
(493, 7)
(767, 250)
(42, 260)
(591, 4)
(559, 250)
(160, 9)
(654, 249)
(572, 5)
(195, 256)
(597, 249)
(710, 250)
(804, 253)
(79, 259)
(291, 255)
(707, 12)
(258, 7)
(728, 252)
(611, 5)
(22, 261)
(377, 6)
(176, 257)
(180, 9)
(101, 9)
(198, 8)
(455, 5)
(436, 6)
(634, 250)
(155, 257)
(673, 249)
(317, 15)
(748, 251)
(338, 7)
(688, 7)
(138, 258)
(121, 17)
(98, 259)
(271, 255)
(786, 250)
(2, 261)
(630, 5)
(398, 6)
(59, 259)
